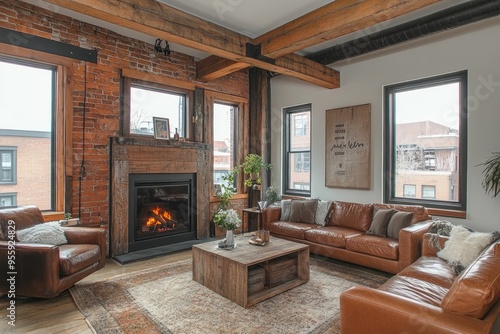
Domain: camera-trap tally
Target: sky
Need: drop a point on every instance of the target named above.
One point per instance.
(438, 104)
(25, 98)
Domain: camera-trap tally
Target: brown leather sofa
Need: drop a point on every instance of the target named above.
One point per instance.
(344, 235)
(43, 270)
(427, 297)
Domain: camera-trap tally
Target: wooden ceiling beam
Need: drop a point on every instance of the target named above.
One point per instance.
(325, 23)
(164, 22)
(333, 20)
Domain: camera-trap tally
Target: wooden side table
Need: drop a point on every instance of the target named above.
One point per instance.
(253, 219)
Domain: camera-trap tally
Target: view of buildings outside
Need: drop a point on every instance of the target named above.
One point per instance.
(25, 135)
(224, 144)
(300, 156)
(427, 161)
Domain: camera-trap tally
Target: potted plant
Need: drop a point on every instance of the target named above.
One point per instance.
(491, 172)
(272, 195)
(225, 218)
(252, 166)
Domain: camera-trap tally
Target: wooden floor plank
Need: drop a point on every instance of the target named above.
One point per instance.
(60, 315)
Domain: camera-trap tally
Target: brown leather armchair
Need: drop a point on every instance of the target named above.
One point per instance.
(41, 270)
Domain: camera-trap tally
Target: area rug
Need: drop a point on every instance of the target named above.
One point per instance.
(166, 300)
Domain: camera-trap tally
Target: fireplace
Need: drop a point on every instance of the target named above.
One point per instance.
(162, 209)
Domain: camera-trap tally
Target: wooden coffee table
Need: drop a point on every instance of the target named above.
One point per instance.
(249, 273)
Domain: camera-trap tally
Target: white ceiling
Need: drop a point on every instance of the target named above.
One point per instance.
(248, 17)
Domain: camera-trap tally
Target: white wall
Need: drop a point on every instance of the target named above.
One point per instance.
(475, 48)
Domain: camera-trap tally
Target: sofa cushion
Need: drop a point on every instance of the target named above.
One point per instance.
(47, 233)
(330, 235)
(351, 215)
(290, 229)
(420, 213)
(399, 220)
(382, 247)
(464, 246)
(415, 289)
(381, 218)
(431, 269)
(304, 211)
(74, 258)
(477, 288)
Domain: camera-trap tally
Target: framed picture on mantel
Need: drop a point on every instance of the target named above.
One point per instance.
(347, 156)
(161, 128)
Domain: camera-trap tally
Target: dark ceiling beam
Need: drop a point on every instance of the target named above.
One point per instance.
(450, 18)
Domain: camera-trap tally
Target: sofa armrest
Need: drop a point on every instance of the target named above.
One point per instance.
(367, 310)
(30, 260)
(410, 242)
(88, 235)
(429, 241)
(270, 215)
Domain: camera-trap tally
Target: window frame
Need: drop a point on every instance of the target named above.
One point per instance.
(288, 113)
(129, 82)
(13, 151)
(13, 197)
(390, 145)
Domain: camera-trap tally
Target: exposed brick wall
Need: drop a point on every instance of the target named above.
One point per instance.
(115, 52)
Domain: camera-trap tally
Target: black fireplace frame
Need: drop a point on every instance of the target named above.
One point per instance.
(156, 179)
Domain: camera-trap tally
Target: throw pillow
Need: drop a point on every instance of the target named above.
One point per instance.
(321, 212)
(464, 246)
(380, 221)
(46, 233)
(399, 220)
(303, 211)
(286, 207)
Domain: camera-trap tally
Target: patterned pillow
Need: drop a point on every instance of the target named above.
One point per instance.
(286, 208)
(321, 212)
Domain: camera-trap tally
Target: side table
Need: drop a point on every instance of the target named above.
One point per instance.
(253, 219)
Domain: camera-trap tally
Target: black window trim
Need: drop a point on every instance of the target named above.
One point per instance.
(287, 113)
(389, 140)
(13, 151)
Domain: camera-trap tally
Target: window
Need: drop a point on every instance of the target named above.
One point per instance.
(426, 142)
(409, 190)
(297, 153)
(429, 192)
(300, 124)
(225, 140)
(145, 100)
(7, 165)
(28, 133)
(7, 200)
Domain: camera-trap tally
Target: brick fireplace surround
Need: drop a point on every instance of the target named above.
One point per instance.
(132, 155)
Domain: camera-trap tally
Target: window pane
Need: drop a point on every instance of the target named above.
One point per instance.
(428, 143)
(146, 103)
(297, 155)
(26, 134)
(224, 140)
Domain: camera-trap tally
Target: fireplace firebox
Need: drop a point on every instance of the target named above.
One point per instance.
(162, 209)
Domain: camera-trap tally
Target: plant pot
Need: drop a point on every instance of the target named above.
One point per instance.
(229, 239)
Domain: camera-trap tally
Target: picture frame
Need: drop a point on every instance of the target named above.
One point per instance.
(161, 128)
(347, 150)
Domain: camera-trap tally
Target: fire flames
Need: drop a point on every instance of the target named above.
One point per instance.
(159, 219)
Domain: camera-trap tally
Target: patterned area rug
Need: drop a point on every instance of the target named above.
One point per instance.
(167, 300)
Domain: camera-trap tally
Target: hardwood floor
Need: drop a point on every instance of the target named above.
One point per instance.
(60, 315)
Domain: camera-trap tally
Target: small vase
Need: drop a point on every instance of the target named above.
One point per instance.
(229, 239)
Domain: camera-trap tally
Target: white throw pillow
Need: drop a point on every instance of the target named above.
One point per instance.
(464, 246)
(45, 233)
(321, 212)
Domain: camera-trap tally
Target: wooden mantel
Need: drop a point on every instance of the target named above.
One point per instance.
(136, 155)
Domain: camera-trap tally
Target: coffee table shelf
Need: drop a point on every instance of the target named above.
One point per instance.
(226, 272)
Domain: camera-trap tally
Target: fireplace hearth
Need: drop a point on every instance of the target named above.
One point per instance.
(162, 210)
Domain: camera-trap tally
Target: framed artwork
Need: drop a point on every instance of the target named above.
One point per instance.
(161, 128)
(347, 156)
